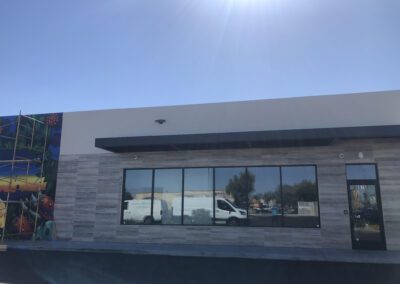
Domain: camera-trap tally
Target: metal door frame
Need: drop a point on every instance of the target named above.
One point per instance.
(366, 244)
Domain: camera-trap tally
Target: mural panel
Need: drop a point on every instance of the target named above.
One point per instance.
(29, 154)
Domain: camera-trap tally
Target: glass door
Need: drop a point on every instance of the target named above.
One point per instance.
(366, 215)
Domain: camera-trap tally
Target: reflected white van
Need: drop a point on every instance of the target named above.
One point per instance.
(225, 211)
(138, 211)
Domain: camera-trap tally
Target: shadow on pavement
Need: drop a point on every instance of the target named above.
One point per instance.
(79, 267)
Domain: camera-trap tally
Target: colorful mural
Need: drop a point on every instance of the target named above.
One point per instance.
(29, 153)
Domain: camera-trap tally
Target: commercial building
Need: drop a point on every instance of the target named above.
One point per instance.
(314, 172)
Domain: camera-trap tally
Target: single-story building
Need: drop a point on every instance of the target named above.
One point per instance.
(313, 172)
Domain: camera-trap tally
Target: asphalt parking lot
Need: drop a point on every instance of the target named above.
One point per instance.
(18, 266)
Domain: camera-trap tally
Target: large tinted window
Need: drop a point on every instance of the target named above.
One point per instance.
(137, 197)
(264, 196)
(231, 190)
(167, 204)
(198, 196)
(300, 196)
(256, 196)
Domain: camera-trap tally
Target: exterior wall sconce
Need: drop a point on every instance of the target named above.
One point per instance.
(160, 121)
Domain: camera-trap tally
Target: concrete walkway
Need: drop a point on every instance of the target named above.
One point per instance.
(252, 252)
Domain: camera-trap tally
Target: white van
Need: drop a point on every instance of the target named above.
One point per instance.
(138, 211)
(225, 211)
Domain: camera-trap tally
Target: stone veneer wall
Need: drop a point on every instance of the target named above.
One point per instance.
(89, 194)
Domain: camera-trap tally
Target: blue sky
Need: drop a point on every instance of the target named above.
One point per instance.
(68, 55)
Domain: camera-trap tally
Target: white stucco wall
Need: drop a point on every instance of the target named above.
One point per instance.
(362, 109)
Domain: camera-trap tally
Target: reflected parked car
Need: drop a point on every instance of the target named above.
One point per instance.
(264, 209)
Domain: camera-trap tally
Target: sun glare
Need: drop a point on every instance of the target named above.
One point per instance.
(250, 3)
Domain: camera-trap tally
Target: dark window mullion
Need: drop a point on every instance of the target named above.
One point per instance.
(282, 215)
(183, 192)
(152, 194)
(317, 189)
(247, 196)
(213, 196)
(123, 197)
(379, 203)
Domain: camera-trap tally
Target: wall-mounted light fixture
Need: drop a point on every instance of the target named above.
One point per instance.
(160, 121)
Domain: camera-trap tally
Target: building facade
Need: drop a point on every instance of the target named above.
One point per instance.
(319, 172)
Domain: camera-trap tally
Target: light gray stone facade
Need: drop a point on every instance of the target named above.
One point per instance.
(89, 195)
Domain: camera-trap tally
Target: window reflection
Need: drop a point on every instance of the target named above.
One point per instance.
(167, 204)
(366, 214)
(255, 196)
(198, 196)
(265, 196)
(300, 196)
(231, 196)
(137, 197)
(366, 220)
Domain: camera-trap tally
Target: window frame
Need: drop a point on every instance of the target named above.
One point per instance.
(377, 184)
(124, 190)
(317, 188)
(213, 197)
(152, 199)
(280, 166)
